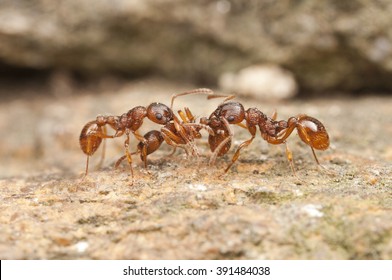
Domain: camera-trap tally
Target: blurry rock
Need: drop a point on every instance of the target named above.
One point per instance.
(260, 81)
(61, 83)
(328, 45)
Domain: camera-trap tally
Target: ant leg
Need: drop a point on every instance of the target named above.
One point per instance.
(242, 125)
(183, 117)
(190, 116)
(289, 156)
(128, 155)
(315, 157)
(118, 162)
(244, 144)
(223, 143)
(85, 174)
(173, 140)
(104, 131)
(237, 153)
(274, 115)
(144, 149)
(309, 139)
(200, 125)
(183, 133)
(172, 153)
(330, 172)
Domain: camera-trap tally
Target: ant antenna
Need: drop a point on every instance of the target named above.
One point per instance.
(195, 91)
(227, 97)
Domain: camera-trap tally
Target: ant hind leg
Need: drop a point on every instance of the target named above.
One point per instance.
(99, 165)
(289, 156)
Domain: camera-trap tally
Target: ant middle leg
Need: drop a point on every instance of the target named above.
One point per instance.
(244, 144)
(173, 140)
(128, 155)
(289, 156)
(104, 131)
(143, 147)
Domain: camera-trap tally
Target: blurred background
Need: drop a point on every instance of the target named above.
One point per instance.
(63, 62)
(323, 45)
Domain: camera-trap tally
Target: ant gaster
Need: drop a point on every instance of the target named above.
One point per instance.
(173, 132)
(310, 130)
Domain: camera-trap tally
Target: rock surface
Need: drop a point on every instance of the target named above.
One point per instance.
(328, 45)
(180, 208)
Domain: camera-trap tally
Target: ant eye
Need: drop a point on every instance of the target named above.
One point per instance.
(230, 118)
(158, 116)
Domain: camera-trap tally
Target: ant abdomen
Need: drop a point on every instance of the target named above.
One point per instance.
(90, 138)
(312, 132)
(215, 140)
(154, 140)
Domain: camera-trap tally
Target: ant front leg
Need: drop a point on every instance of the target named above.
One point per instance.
(173, 140)
(143, 147)
(224, 145)
(185, 136)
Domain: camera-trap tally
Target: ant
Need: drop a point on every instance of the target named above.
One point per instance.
(310, 130)
(173, 132)
(177, 134)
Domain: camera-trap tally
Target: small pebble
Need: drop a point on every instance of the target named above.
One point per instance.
(266, 81)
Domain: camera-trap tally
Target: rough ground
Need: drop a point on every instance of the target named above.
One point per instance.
(180, 208)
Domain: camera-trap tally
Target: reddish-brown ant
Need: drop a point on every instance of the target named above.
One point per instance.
(173, 132)
(310, 130)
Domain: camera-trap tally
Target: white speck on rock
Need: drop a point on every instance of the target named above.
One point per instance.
(313, 210)
(81, 246)
(198, 187)
(298, 192)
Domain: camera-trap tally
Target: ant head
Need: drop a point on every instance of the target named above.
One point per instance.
(233, 112)
(159, 113)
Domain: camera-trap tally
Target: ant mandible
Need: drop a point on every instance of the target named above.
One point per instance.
(310, 130)
(173, 132)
